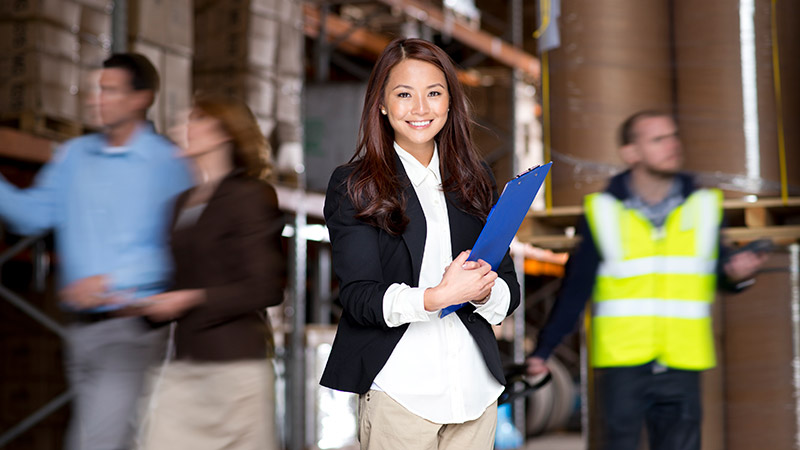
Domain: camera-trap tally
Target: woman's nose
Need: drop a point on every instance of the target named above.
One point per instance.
(421, 106)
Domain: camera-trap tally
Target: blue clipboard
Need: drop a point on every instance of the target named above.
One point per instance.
(505, 219)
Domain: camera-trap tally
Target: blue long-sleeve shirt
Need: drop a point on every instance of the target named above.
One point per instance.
(109, 208)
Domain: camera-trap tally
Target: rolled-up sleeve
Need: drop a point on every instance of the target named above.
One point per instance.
(405, 304)
(496, 308)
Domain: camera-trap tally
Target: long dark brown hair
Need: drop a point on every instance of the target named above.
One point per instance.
(374, 186)
(251, 151)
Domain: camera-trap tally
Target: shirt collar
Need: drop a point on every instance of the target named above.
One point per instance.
(415, 170)
(130, 146)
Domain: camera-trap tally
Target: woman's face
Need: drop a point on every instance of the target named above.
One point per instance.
(203, 134)
(416, 103)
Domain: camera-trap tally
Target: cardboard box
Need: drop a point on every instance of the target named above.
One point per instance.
(176, 90)
(289, 100)
(180, 30)
(102, 5)
(65, 13)
(96, 23)
(256, 91)
(93, 52)
(147, 20)
(38, 67)
(274, 9)
(241, 42)
(156, 57)
(165, 23)
(40, 83)
(22, 96)
(291, 46)
(33, 35)
(267, 126)
(87, 96)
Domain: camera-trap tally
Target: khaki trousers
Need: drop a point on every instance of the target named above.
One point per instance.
(383, 424)
(211, 406)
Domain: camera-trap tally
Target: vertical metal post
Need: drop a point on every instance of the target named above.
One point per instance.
(519, 339)
(296, 368)
(515, 19)
(322, 286)
(295, 379)
(587, 386)
(322, 50)
(119, 27)
(794, 279)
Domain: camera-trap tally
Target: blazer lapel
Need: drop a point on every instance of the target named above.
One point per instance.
(417, 229)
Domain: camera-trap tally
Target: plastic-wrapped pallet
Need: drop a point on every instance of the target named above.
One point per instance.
(163, 31)
(726, 93)
(289, 86)
(39, 72)
(255, 53)
(614, 59)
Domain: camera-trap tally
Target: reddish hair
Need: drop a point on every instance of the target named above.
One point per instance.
(374, 186)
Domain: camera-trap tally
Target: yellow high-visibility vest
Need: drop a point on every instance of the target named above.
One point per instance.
(655, 285)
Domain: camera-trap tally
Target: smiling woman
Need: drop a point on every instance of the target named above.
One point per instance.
(402, 216)
(372, 185)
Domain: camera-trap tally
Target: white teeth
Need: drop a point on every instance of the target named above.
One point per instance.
(420, 124)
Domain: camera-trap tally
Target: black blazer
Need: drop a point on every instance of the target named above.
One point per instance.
(367, 260)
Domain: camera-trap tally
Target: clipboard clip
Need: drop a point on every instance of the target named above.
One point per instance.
(527, 171)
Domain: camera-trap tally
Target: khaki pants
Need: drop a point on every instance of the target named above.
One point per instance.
(211, 406)
(385, 424)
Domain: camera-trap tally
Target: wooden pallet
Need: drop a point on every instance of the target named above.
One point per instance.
(43, 125)
(765, 218)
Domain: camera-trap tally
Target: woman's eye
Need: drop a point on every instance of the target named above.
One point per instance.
(434, 94)
(404, 95)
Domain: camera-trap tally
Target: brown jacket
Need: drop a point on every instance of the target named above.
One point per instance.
(234, 252)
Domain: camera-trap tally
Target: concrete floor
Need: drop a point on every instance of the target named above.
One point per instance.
(555, 442)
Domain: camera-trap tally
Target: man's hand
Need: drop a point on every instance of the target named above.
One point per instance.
(536, 366)
(170, 305)
(744, 265)
(87, 293)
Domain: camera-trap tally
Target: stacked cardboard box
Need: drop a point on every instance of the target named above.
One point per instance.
(162, 30)
(94, 38)
(252, 50)
(39, 52)
(49, 50)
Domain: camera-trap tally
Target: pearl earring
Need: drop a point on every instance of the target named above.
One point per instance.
(383, 111)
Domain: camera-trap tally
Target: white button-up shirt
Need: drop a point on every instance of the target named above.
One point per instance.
(437, 371)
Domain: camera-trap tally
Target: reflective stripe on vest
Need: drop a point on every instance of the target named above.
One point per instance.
(654, 286)
(657, 264)
(678, 309)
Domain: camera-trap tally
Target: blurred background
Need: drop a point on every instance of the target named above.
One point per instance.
(548, 80)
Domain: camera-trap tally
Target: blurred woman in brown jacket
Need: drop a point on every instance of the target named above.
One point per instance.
(229, 267)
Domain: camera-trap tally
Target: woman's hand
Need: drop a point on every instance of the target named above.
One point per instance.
(170, 305)
(463, 281)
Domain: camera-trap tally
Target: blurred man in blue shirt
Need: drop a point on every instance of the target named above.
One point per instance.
(107, 197)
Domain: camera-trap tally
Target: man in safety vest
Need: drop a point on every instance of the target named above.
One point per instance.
(650, 261)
